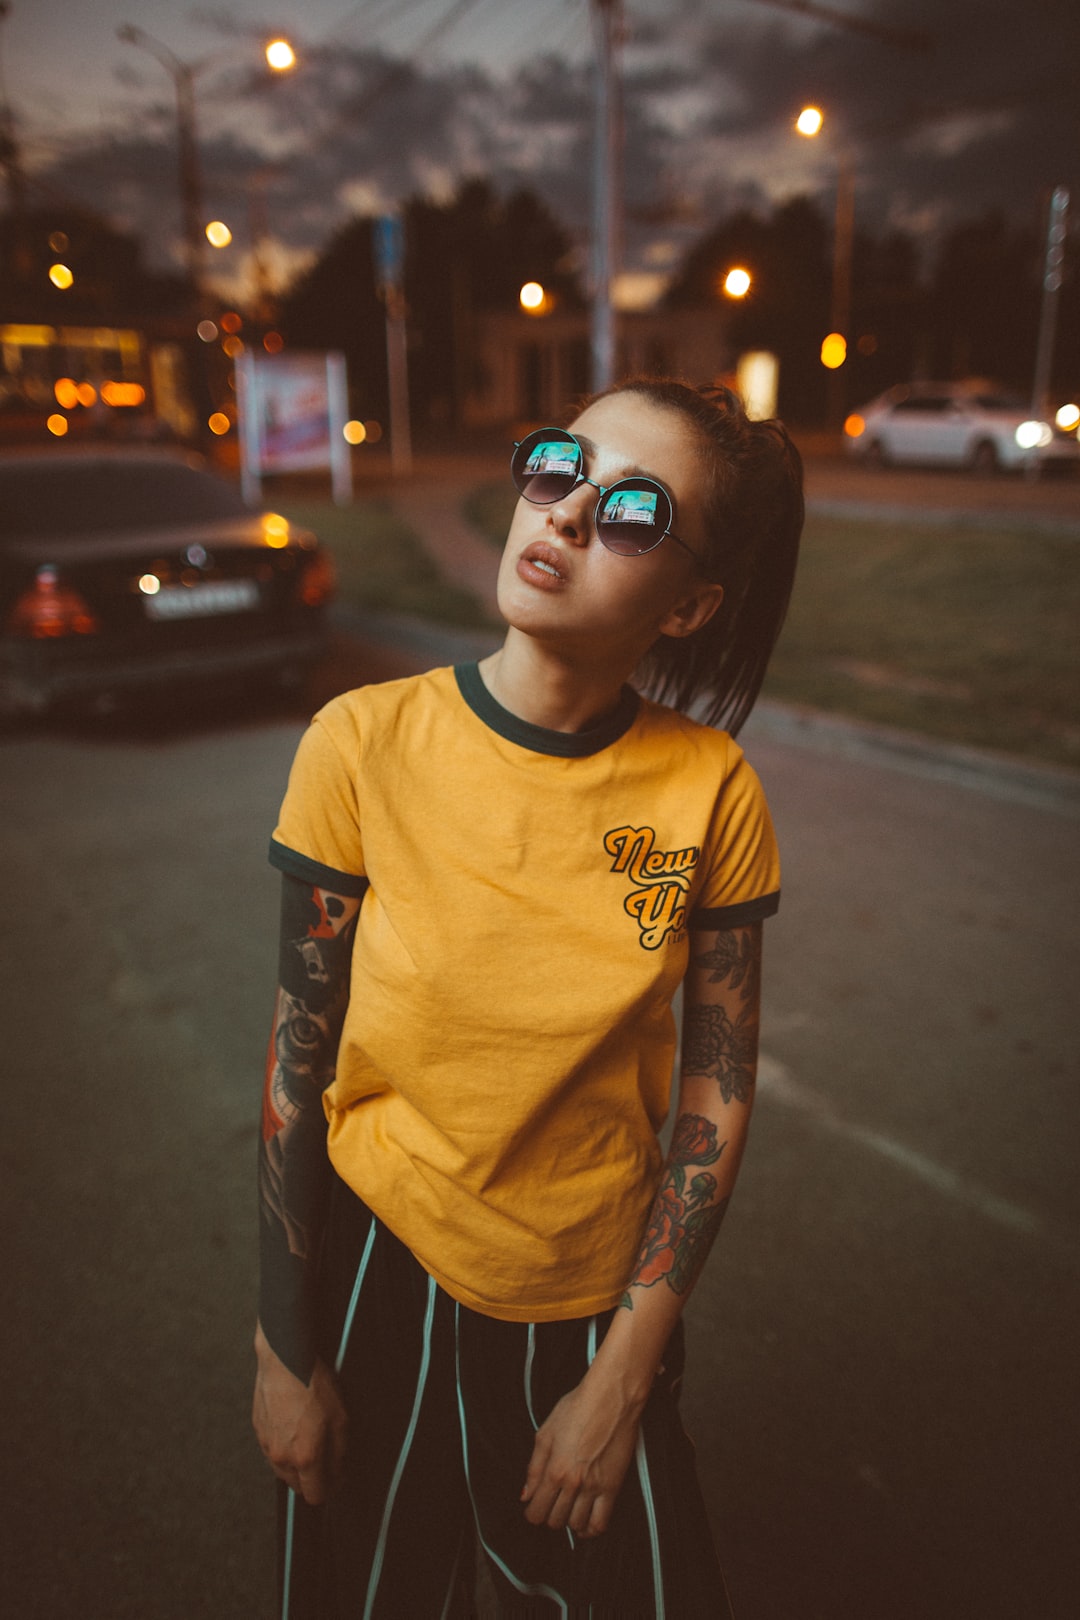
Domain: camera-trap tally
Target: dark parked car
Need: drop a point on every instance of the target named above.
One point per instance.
(126, 570)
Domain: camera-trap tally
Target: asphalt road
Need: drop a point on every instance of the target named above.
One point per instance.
(883, 1352)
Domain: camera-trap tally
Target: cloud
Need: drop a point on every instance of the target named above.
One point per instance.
(710, 98)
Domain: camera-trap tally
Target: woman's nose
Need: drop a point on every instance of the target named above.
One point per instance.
(572, 515)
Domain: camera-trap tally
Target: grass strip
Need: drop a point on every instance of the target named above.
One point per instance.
(382, 564)
(966, 634)
(963, 633)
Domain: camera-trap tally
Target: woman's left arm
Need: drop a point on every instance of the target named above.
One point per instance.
(583, 1449)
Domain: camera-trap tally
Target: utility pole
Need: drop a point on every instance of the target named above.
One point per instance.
(1051, 288)
(389, 246)
(183, 77)
(607, 190)
(10, 160)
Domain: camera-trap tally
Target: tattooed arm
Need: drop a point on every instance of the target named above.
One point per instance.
(297, 1413)
(583, 1450)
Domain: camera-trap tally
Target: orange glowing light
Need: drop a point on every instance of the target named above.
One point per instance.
(275, 530)
(809, 121)
(123, 393)
(87, 394)
(280, 55)
(57, 425)
(737, 282)
(233, 346)
(355, 432)
(60, 276)
(218, 233)
(219, 423)
(854, 426)
(834, 351)
(230, 322)
(273, 342)
(67, 392)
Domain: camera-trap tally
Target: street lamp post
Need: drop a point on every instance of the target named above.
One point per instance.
(280, 57)
(183, 77)
(809, 124)
(606, 194)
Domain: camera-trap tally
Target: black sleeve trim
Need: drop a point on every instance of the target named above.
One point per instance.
(737, 916)
(291, 862)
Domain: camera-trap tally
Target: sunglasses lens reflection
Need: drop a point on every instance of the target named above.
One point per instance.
(546, 466)
(633, 517)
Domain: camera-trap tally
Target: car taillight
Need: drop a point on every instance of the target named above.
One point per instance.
(318, 581)
(50, 608)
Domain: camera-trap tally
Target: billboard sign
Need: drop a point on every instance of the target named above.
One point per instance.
(292, 409)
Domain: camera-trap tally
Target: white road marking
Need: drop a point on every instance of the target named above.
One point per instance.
(778, 1083)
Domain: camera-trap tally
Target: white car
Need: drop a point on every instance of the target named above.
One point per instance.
(956, 425)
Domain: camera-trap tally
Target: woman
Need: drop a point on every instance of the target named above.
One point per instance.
(475, 1253)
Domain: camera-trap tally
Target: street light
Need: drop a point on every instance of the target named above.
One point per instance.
(280, 55)
(183, 75)
(809, 124)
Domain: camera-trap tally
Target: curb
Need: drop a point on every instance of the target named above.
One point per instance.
(999, 776)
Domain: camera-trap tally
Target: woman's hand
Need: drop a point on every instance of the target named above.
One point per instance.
(300, 1427)
(581, 1455)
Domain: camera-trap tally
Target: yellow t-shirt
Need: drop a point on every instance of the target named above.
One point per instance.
(507, 1052)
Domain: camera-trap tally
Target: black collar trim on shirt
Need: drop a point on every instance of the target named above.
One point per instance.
(567, 744)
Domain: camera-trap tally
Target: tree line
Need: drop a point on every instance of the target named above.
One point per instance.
(972, 311)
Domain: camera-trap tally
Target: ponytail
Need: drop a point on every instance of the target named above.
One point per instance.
(753, 510)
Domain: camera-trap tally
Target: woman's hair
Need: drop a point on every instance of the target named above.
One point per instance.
(753, 509)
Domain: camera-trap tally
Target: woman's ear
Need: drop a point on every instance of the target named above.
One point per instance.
(695, 609)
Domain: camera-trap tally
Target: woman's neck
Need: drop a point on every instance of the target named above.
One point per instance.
(549, 689)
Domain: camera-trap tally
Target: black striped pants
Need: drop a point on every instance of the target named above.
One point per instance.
(443, 1406)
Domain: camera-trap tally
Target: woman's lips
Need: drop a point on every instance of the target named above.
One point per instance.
(544, 566)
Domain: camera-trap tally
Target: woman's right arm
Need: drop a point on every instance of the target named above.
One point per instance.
(298, 1415)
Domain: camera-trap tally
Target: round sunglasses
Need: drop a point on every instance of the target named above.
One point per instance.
(632, 516)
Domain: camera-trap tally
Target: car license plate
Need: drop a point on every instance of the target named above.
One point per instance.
(200, 601)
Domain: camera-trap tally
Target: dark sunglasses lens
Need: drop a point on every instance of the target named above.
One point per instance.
(546, 466)
(634, 516)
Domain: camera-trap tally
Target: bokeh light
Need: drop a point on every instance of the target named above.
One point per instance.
(60, 276)
(67, 392)
(207, 331)
(275, 530)
(737, 282)
(1068, 417)
(809, 121)
(219, 423)
(57, 425)
(355, 432)
(1033, 435)
(123, 393)
(834, 351)
(532, 297)
(218, 233)
(233, 346)
(280, 55)
(230, 322)
(273, 342)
